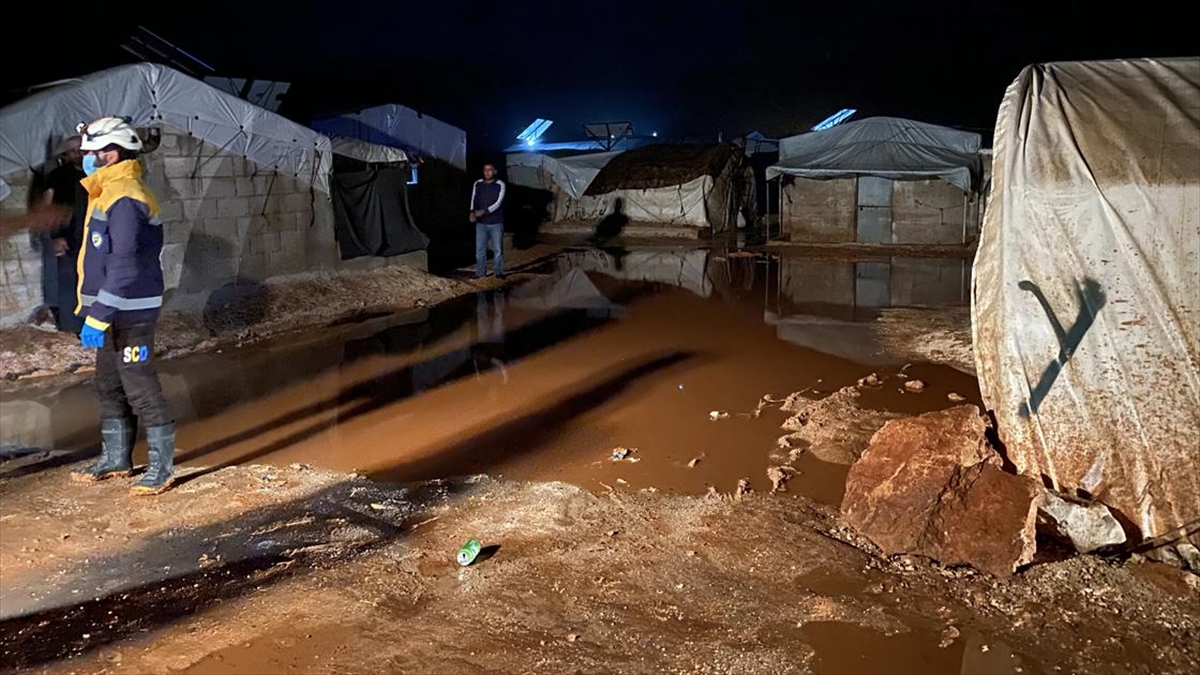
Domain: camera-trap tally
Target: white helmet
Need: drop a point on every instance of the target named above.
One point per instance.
(108, 131)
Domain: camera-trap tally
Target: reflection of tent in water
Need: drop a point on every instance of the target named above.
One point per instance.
(687, 269)
(572, 290)
(1086, 314)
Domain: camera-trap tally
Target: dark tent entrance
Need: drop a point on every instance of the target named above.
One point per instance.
(371, 210)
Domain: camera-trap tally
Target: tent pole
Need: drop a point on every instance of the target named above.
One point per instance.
(964, 220)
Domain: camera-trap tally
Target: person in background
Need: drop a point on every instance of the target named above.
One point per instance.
(487, 212)
(120, 295)
(60, 246)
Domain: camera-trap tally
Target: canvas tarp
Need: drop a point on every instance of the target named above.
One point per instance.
(1086, 308)
(154, 95)
(885, 147)
(371, 216)
(401, 127)
(571, 175)
(687, 269)
(368, 153)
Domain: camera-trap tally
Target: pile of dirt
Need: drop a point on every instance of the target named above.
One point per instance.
(241, 315)
(292, 570)
(657, 166)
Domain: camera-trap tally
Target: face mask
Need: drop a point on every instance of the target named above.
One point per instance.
(89, 165)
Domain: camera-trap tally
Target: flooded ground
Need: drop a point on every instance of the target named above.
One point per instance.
(603, 350)
(273, 556)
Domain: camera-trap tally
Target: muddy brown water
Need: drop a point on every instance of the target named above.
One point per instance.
(543, 381)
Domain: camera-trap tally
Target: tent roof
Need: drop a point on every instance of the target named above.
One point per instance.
(401, 127)
(658, 166)
(363, 151)
(157, 96)
(887, 147)
(572, 175)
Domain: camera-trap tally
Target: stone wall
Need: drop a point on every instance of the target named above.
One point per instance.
(226, 220)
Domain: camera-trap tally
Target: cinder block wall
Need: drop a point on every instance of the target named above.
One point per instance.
(20, 264)
(820, 211)
(226, 220)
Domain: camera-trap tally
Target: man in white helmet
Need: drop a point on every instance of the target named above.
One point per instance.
(120, 295)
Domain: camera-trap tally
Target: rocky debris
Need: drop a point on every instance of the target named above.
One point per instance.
(948, 637)
(716, 415)
(620, 454)
(743, 488)
(695, 460)
(779, 476)
(915, 386)
(1190, 555)
(931, 486)
(871, 380)
(1089, 527)
(834, 429)
(956, 397)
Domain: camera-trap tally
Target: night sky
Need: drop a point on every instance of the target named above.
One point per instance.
(682, 69)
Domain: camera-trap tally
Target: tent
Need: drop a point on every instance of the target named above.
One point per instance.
(397, 126)
(884, 147)
(879, 180)
(1086, 297)
(569, 175)
(157, 96)
(696, 188)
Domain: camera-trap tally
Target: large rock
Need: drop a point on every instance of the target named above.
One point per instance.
(1088, 528)
(931, 485)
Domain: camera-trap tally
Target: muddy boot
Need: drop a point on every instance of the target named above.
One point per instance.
(160, 446)
(116, 452)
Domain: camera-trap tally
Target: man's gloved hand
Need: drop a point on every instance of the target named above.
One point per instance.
(92, 338)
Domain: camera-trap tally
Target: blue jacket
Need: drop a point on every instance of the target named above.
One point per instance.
(120, 266)
(488, 197)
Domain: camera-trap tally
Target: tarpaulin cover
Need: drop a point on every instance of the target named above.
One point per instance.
(1086, 309)
(154, 95)
(886, 147)
(701, 203)
(571, 175)
(370, 214)
(369, 153)
(401, 127)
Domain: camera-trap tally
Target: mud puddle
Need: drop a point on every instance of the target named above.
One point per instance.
(662, 355)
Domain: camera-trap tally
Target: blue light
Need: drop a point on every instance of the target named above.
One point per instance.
(413, 179)
(835, 119)
(534, 131)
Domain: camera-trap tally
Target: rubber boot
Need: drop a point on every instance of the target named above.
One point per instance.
(160, 475)
(116, 452)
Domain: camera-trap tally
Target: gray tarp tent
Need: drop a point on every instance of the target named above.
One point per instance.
(885, 147)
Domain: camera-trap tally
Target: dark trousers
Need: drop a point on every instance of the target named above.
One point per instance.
(126, 378)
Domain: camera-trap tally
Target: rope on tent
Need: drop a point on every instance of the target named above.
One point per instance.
(220, 150)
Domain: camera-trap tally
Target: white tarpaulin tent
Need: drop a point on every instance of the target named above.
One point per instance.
(571, 175)
(402, 127)
(157, 96)
(884, 147)
(1086, 311)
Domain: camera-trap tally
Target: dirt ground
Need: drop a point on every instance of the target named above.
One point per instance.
(274, 555)
(263, 569)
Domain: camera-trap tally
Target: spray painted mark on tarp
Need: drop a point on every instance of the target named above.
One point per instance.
(1091, 299)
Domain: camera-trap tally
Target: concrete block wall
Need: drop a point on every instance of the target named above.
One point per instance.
(20, 264)
(229, 220)
(820, 211)
(931, 212)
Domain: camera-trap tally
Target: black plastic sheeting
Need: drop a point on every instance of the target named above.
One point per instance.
(371, 215)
